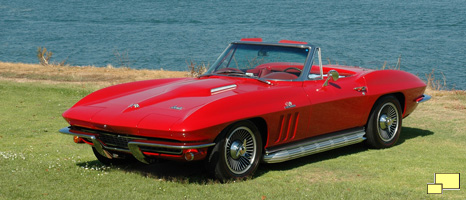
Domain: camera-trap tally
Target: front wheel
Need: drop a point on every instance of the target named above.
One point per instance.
(384, 124)
(237, 153)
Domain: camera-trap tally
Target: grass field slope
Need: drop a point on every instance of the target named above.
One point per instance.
(37, 162)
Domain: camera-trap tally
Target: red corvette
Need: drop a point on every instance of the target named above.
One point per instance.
(259, 102)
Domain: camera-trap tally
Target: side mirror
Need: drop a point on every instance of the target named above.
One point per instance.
(332, 74)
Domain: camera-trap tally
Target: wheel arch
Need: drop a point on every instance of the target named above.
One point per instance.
(401, 99)
(259, 122)
(398, 95)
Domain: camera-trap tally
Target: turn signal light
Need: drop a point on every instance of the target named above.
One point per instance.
(190, 154)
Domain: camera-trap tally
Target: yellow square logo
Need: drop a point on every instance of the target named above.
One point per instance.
(450, 181)
(433, 188)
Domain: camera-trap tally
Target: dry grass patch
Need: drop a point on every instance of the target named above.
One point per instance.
(102, 76)
(450, 100)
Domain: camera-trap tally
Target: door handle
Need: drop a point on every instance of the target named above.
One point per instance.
(359, 89)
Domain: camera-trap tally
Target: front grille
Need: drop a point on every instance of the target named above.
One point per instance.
(121, 141)
(115, 140)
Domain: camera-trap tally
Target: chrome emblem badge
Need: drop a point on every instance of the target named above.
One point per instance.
(288, 104)
(134, 105)
(176, 107)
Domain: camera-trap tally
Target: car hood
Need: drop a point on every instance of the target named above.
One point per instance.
(164, 104)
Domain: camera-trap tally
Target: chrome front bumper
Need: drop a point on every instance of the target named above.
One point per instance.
(134, 147)
(423, 98)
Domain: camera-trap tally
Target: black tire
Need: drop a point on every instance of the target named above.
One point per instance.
(230, 158)
(125, 159)
(384, 125)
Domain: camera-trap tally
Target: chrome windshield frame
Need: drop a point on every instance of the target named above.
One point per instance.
(307, 63)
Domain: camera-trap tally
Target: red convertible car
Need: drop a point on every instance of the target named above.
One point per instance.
(259, 102)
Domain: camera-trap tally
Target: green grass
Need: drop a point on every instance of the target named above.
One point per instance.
(37, 162)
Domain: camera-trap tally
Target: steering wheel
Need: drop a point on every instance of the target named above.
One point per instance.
(295, 68)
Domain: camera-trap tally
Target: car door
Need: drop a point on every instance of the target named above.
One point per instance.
(337, 106)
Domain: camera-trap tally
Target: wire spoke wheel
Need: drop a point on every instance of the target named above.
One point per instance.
(384, 124)
(388, 122)
(240, 150)
(237, 152)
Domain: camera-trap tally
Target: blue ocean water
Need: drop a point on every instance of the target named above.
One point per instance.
(154, 34)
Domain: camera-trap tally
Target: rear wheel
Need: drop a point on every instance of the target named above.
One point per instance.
(384, 124)
(237, 153)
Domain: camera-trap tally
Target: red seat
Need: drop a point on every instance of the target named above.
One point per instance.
(264, 71)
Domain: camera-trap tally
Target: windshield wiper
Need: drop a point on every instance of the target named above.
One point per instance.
(237, 73)
(204, 75)
(231, 72)
(234, 73)
(264, 81)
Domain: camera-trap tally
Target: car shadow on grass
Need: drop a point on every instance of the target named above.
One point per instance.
(191, 172)
(411, 133)
(194, 172)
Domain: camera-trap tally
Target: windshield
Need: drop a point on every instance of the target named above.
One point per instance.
(261, 61)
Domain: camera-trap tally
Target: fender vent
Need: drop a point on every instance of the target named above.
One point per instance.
(288, 127)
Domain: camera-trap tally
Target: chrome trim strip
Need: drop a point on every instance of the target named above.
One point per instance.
(134, 147)
(66, 130)
(308, 45)
(219, 89)
(99, 147)
(314, 147)
(319, 54)
(425, 98)
(146, 144)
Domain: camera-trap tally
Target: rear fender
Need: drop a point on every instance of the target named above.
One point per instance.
(403, 85)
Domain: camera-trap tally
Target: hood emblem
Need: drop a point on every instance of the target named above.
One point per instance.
(134, 105)
(176, 107)
(288, 104)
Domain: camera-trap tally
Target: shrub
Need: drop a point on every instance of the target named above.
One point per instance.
(44, 56)
(434, 84)
(195, 70)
